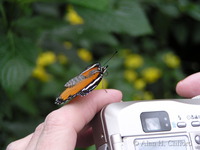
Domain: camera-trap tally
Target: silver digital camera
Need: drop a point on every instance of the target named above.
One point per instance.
(172, 124)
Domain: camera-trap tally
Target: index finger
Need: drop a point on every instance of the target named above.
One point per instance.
(62, 125)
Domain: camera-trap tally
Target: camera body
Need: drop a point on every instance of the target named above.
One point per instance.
(170, 124)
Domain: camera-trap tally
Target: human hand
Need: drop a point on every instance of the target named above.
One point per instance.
(67, 127)
(190, 86)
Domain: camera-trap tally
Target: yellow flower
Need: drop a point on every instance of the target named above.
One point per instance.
(171, 60)
(134, 61)
(62, 59)
(102, 85)
(130, 75)
(139, 84)
(40, 73)
(67, 45)
(85, 55)
(148, 95)
(143, 95)
(73, 17)
(46, 58)
(151, 74)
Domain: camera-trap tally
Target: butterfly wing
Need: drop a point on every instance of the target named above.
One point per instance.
(92, 78)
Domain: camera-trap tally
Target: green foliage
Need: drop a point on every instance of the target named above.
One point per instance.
(125, 19)
(41, 42)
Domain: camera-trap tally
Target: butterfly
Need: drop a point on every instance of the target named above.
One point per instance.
(82, 84)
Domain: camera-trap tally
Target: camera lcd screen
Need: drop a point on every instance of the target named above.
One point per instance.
(155, 121)
(153, 124)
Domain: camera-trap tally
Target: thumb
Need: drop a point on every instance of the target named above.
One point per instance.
(190, 86)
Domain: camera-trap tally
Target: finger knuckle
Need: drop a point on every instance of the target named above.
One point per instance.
(54, 119)
(39, 127)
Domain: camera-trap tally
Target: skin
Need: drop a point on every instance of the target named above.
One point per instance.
(68, 127)
(190, 86)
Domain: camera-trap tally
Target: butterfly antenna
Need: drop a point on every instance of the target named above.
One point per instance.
(110, 57)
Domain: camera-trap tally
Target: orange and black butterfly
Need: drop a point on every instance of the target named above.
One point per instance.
(83, 83)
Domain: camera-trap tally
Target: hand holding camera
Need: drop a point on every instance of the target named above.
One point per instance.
(167, 124)
(56, 132)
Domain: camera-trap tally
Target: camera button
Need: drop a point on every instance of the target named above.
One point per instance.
(195, 123)
(197, 139)
(181, 124)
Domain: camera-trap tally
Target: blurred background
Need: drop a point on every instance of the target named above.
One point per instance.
(44, 43)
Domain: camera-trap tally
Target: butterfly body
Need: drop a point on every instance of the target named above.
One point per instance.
(83, 83)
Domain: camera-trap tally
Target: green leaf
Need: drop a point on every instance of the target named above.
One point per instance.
(97, 4)
(132, 18)
(91, 147)
(27, 50)
(127, 18)
(18, 59)
(99, 37)
(14, 73)
(169, 9)
(195, 12)
(38, 24)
